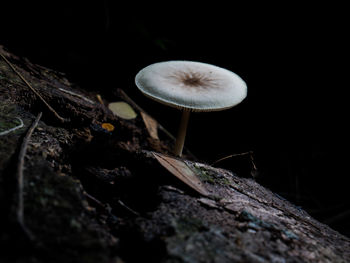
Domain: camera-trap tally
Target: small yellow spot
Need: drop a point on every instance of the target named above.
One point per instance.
(107, 126)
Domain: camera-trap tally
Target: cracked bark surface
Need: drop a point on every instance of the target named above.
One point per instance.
(97, 196)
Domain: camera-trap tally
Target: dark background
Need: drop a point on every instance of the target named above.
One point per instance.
(294, 59)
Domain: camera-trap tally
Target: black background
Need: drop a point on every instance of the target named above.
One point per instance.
(293, 57)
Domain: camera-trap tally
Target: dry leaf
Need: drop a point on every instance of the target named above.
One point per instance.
(99, 98)
(122, 110)
(182, 171)
(151, 125)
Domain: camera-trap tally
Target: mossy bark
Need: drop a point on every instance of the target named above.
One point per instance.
(91, 195)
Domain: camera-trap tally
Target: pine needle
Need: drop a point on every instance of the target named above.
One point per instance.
(34, 90)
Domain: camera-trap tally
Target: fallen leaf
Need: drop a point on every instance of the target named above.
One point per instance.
(151, 125)
(122, 110)
(182, 171)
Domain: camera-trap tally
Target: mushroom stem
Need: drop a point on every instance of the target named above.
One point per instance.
(181, 134)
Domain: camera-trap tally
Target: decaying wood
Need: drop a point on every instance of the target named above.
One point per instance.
(91, 195)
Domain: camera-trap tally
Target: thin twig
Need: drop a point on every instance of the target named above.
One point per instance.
(343, 216)
(252, 160)
(77, 95)
(128, 208)
(19, 175)
(14, 128)
(230, 156)
(94, 199)
(254, 171)
(34, 90)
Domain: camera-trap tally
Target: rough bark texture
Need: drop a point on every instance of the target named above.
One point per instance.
(96, 196)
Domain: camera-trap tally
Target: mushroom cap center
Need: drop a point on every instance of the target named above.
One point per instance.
(192, 79)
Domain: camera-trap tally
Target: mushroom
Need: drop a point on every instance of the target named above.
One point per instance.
(190, 86)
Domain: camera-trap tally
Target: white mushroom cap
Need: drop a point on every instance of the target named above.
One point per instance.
(191, 85)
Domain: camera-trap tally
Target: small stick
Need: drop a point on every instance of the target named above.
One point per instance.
(252, 159)
(233, 155)
(254, 172)
(34, 90)
(19, 176)
(14, 128)
(254, 169)
(128, 208)
(77, 95)
(94, 199)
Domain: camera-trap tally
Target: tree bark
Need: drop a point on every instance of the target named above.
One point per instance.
(92, 195)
